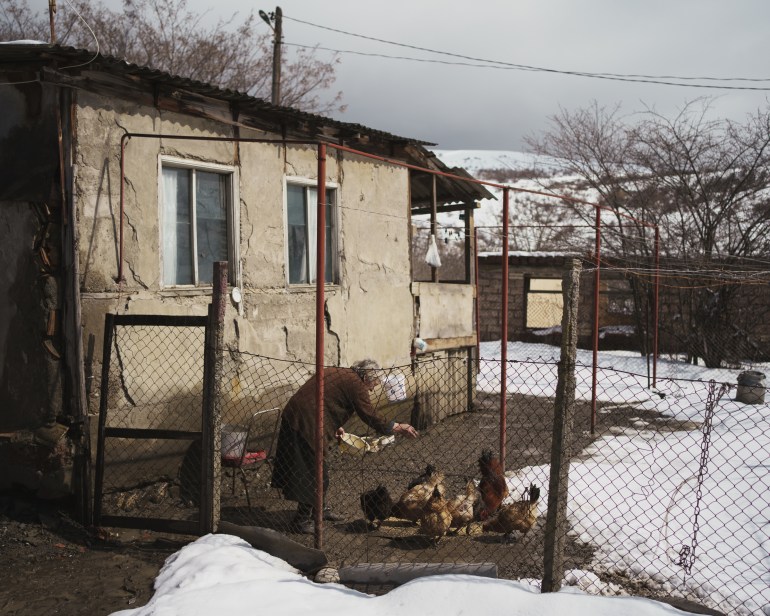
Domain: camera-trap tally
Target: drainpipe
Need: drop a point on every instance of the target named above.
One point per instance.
(319, 343)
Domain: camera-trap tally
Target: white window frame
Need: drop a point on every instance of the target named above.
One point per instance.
(233, 227)
(332, 211)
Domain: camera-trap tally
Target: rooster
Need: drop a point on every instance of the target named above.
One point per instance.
(376, 505)
(520, 515)
(436, 518)
(492, 486)
(463, 508)
(411, 503)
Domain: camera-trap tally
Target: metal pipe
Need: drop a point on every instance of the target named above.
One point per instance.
(504, 334)
(476, 280)
(655, 314)
(597, 282)
(123, 141)
(340, 148)
(319, 343)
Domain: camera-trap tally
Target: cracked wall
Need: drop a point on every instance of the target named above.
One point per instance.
(369, 313)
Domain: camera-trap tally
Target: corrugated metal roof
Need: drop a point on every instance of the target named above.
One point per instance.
(74, 60)
(27, 55)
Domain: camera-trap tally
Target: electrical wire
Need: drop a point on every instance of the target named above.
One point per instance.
(633, 78)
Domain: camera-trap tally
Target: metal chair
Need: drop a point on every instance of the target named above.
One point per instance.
(252, 459)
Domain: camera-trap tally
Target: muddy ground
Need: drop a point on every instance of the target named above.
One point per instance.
(52, 565)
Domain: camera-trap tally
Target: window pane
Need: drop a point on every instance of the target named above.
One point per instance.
(297, 234)
(330, 246)
(177, 244)
(545, 284)
(211, 222)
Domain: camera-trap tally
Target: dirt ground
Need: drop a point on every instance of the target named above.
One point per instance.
(52, 565)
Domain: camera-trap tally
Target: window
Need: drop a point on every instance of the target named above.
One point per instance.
(544, 302)
(301, 229)
(197, 222)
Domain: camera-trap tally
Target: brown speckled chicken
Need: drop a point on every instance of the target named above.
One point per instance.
(411, 504)
(520, 515)
(492, 485)
(463, 507)
(436, 518)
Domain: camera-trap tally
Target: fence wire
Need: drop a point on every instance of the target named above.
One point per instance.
(668, 495)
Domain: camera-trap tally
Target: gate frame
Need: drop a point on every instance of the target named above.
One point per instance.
(155, 524)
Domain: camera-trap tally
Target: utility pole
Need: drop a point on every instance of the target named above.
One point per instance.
(51, 15)
(277, 29)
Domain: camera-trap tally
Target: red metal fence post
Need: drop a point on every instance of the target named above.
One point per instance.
(319, 343)
(597, 282)
(504, 333)
(655, 314)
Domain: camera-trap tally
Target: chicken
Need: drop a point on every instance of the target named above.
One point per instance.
(463, 507)
(436, 518)
(376, 505)
(411, 504)
(520, 515)
(425, 476)
(492, 486)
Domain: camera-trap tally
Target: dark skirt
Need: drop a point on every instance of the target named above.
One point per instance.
(294, 467)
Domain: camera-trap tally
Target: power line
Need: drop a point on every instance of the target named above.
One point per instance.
(501, 65)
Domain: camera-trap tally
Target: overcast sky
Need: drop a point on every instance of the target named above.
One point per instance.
(463, 107)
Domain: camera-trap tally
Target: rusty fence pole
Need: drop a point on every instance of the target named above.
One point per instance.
(564, 407)
(211, 425)
(504, 333)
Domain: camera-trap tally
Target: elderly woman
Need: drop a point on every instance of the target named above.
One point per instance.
(346, 392)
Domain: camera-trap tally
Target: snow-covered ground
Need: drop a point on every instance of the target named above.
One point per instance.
(633, 492)
(223, 575)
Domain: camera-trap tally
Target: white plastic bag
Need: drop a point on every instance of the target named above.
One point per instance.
(432, 258)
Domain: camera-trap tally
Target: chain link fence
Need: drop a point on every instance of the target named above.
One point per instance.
(668, 485)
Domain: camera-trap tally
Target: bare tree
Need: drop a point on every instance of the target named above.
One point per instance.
(704, 182)
(232, 53)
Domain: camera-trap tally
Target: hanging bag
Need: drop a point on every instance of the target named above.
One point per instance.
(432, 258)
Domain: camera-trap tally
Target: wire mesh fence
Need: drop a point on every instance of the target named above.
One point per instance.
(149, 447)
(668, 485)
(658, 501)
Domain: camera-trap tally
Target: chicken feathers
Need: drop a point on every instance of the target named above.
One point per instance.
(411, 504)
(492, 486)
(521, 515)
(436, 518)
(376, 505)
(463, 507)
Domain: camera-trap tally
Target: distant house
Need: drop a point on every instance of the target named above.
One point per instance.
(193, 174)
(535, 301)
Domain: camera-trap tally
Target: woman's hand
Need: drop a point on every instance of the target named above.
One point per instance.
(405, 429)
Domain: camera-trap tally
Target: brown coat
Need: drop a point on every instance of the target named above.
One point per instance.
(344, 395)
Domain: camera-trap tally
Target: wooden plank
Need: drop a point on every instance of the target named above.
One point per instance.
(444, 344)
(158, 319)
(145, 433)
(161, 525)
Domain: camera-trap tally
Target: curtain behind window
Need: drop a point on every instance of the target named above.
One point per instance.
(177, 231)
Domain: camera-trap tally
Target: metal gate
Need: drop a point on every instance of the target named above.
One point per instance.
(150, 462)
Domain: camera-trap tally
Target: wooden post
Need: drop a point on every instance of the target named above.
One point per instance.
(211, 425)
(556, 518)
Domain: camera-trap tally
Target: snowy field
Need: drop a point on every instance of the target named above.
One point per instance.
(633, 493)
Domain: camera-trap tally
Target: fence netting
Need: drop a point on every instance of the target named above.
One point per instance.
(669, 488)
(151, 447)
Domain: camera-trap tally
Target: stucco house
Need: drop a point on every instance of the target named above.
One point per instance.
(120, 185)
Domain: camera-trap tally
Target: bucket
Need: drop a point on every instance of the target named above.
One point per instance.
(395, 387)
(751, 387)
(233, 441)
